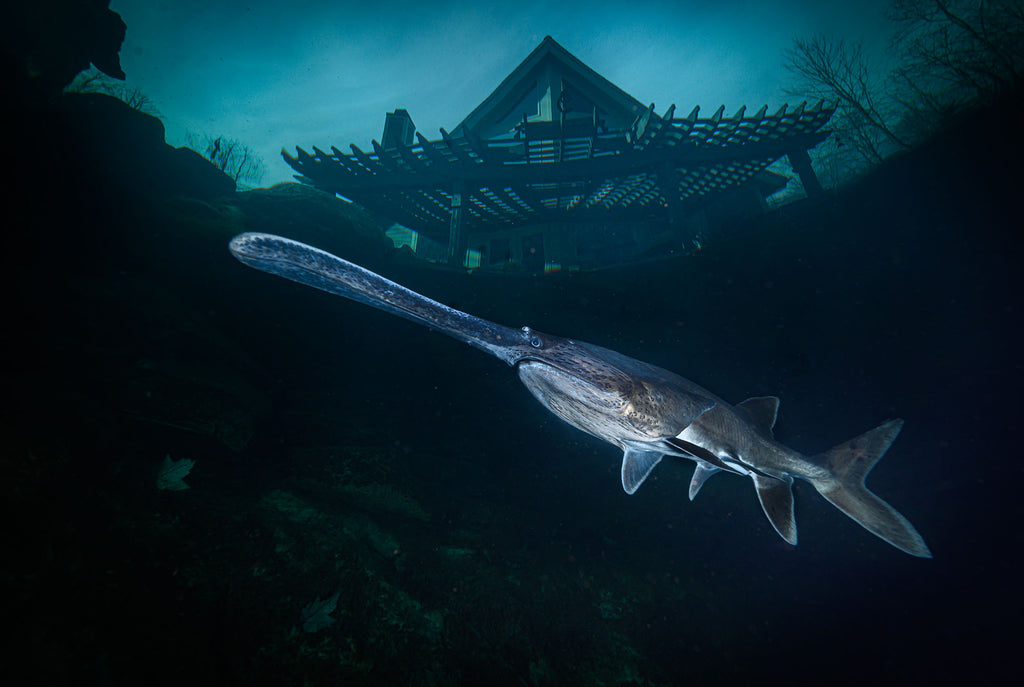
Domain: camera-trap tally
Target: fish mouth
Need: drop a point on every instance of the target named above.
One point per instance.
(549, 380)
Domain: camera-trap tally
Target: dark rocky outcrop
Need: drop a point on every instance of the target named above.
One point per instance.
(49, 42)
(124, 147)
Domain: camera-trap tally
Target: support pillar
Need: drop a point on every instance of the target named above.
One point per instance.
(668, 185)
(801, 163)
(455, 230)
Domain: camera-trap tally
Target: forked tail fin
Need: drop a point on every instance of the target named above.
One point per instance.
(848, 464)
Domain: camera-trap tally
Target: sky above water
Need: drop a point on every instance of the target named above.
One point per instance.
(278, 74)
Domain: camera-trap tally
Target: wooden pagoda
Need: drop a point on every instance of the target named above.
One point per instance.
(560, 169)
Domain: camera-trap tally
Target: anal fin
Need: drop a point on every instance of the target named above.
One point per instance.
(700, 476)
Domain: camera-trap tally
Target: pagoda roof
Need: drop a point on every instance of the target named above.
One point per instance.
(557, 142)
(550, 58)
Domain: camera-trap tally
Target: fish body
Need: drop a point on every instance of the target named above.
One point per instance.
(645, 411)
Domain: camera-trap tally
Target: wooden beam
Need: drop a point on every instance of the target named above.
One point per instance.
(801, 162)
(385, 158)
(664, 124)
(517, 206)
(411, 158)
(711, 125)
(492, 205)
(371, 164)
(347, 163)
(395, 209)
(440, 206)
(432, 151)
(456, 150)
(729, 128)
(638, 131)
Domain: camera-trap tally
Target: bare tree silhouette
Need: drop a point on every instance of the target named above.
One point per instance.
(839, 72)
(232, 157)
(951, 55)
(93, 80)
(955, 54)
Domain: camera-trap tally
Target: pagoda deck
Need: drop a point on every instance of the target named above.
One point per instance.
(551, 173)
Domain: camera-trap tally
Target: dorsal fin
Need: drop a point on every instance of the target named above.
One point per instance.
(763, 410)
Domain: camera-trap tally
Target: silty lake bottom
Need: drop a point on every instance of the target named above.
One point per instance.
(453, 531)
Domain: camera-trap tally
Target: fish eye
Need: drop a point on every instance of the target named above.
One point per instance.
(536, 342)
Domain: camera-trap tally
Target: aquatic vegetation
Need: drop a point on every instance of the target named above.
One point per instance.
(384, 498)
(316, 615)
(172, 474)
(291, 506)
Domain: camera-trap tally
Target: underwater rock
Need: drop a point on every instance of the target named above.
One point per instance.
(196, 177)
(54, 40)
(305, 213)
(125, 147)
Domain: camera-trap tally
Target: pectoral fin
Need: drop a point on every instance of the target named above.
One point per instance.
(776, 497)
(636, 465)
